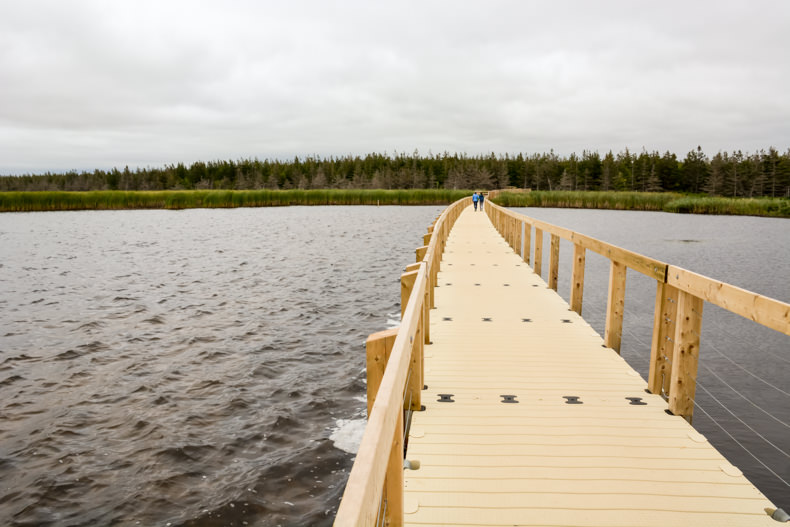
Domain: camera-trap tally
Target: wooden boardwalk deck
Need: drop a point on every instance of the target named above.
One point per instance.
(571, 449)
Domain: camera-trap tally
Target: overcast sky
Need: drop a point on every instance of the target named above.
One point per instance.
(96, 84)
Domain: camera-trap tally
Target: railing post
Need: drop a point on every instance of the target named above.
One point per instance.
(577, 278)
(554, 261)
(663, 338)
(378, 348)
(614, 306)
(415, 384)
(516, 235)
(683, 383)
(420, 252)
(537, 266)
(377, 351)
(527, 242)
(393, 483)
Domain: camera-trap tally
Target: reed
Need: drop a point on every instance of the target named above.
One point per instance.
(652, 201)
(185, 199)
(587, 200)
(773, 207)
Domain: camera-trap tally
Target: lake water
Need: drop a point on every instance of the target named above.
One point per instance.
(206, 367)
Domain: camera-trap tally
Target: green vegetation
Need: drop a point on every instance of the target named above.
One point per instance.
(188, 199)
(763, 173)
(184, 199)
(664, 201)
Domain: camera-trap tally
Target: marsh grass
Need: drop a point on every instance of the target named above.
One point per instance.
(653, 201)
(186, 199)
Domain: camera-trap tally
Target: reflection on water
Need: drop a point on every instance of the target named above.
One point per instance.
(743, 390)
(198, 367)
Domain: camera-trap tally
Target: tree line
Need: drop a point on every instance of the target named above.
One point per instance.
(735, 174)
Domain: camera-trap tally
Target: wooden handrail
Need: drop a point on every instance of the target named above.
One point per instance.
(678, 308)
(378, 467)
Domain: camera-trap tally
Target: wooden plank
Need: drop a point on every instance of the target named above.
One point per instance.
(624, 488)
(761, 309)
(615, 306)
(554, 261)
(537, 266)
(577, 278)
(683, 382)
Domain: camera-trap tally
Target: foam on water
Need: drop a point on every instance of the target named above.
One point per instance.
(348, 434)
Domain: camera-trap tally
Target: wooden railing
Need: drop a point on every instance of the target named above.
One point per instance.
(374, 492)
(680, 296)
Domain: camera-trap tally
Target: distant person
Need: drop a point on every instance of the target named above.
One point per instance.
(475, 197)
(482, 198)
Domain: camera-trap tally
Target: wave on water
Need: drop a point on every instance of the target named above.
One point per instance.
(240, 400)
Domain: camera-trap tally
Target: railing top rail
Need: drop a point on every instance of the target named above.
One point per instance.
(363, 490)
(638, 262)
(359, 505)
(764, 310)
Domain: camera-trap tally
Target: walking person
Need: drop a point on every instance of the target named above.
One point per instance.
(475, 197)
(482, 198)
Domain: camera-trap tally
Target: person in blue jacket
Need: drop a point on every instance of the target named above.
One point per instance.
(481, 199)
(475, 197)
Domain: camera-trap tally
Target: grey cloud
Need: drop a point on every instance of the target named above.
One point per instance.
(87, 84)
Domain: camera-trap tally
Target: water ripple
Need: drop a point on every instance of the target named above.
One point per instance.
(196, 368)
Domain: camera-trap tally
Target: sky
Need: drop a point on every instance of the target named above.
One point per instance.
(87, 84)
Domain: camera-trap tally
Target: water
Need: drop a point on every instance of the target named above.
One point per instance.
(197, 367)
(206, 367)
(743, 391)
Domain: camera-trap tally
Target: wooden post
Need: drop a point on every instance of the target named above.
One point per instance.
(519, 238)
(661, 347)
(421, 252)
(577, 278)
(554, 261)
(407, 282)
(426, 238)
(413, 392)
(537, 266)
(515, 224)
(393, 484)
(377, 350)
(527, 241)
(615, 305)
(426, 311)
(406, 285)
(683, 382)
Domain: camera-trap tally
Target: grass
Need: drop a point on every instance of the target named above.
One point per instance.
(186, 199)
(655, 201)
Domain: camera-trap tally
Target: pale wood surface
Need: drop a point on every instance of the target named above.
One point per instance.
(541, 461)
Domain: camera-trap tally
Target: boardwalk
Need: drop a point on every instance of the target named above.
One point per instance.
(543, 425)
